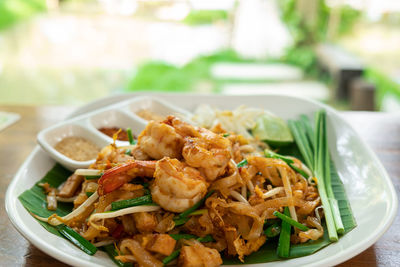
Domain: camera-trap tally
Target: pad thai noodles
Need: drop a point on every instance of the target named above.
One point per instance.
(185, 195)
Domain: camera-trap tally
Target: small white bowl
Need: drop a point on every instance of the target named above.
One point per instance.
(49, 137)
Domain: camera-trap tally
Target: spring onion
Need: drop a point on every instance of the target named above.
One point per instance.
(320, 145)
(183, 217)
(284, 238)
(207, 238)
(323, 168)
(126, 203)
(88, 194)
(289, 161)
(273, 230)
(76, 239)
(242, 163)
(171, 257)
(305, 122)
(302, 142)
(318, 160)
(290, 221)
(94, 177)
(128, 152)
(226, 134)
(130, 136)
(112, 252)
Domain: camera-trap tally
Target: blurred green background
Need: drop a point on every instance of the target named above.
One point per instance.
(70, 52)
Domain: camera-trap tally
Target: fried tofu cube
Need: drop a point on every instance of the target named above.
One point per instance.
(199, 256)
(145, 222)
(161, 243)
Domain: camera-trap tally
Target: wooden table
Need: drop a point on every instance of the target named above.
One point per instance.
(380, 130)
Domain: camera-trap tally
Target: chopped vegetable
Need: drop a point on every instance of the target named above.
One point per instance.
(112, 252)
(207, 238)
(273, 230)
(289, 161)
(182, 218)
(289, 220)
(171, 257)
(130, 136)
(94, 177)
(122, 204)
(242, 163)
(76, 239)
(284, 237)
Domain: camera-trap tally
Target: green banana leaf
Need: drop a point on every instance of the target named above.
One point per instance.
(267, 252)
(34, 200)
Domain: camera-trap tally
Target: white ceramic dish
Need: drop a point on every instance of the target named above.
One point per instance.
(369, 189)
(120, 115)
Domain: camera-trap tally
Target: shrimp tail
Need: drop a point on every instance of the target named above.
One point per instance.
(117, 176)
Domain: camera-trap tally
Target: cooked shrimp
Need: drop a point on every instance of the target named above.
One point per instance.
(116, 177)
(210, 153)
(177, 186)
(160, 140)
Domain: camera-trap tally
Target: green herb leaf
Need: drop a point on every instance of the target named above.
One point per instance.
(183, 217)
(242, 163)
(76, 239)
(273, 230)
(122, 204)
(171, 257)
(94, 177)
(290, 221)
(284, 237)
(112, 253)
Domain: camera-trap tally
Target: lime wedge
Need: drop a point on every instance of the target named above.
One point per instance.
(273, 130)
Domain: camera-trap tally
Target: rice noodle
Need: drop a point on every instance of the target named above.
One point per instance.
(238, 196)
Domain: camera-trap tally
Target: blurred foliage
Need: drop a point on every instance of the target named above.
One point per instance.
(13, 11)
(160, 76)
(196, 17)
(348, 18)
(383, 83)
(306, 35)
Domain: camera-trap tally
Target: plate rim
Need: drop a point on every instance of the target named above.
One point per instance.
(10, 200)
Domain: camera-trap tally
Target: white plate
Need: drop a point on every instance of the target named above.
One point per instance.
(369, 188)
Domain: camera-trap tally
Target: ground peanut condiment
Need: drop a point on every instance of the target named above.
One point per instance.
(122, 136)
(77, 148)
